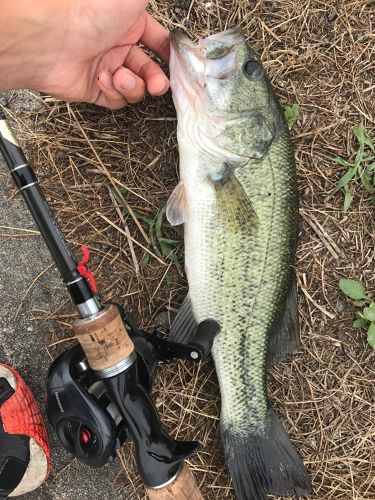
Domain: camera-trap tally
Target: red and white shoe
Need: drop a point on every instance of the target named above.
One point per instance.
(24, 450)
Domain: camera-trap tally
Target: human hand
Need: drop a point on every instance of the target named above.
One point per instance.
(87, 51)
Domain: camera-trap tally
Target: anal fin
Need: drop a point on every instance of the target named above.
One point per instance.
(284, 338)
(185, 324)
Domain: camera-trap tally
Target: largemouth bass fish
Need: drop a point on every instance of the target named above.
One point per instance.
(237, 199)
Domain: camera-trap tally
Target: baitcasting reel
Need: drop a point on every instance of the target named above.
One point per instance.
(85, 418)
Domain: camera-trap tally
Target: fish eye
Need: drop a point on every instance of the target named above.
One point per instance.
(253, 69)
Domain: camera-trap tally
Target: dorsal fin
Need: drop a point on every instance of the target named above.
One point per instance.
(284, 338)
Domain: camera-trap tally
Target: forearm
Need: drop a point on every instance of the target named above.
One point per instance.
(27, 28)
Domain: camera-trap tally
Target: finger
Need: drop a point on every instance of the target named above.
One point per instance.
(107, 102)
(156, 38)
(109, 97)
(129, 85)
(141, 64)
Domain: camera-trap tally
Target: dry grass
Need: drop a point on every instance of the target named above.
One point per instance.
(320, 54)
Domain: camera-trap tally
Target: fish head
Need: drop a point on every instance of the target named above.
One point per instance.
(222, 82)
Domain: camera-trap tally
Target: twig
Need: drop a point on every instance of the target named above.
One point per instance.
(126, 228)
(133, 240)
(328, 242)
(62, 341)
(161, 281)
(308, 296)
(31, 231)
(133, 216)
(29, 288)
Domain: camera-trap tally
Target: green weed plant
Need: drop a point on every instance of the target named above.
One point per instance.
(366, 313)
(361, 169)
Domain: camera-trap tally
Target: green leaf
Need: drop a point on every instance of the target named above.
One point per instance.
(368, 158)
(159, 220)
(364, 140)
(145, 260)
(347, 198)
(342, 162)
(345, 179)
(166, 249)
(352, 288)
(359, 133)
(173, 257)
(368, 141)
(369, 312)
(366, 180)
(360, 323)
(291, 114)
(170, 242)
(371, 335)
(359, 303)
(169, 254)
(143, 218)
(116, 196)
(138, 215)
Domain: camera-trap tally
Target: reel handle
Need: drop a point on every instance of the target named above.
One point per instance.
(183, 487)
(104, 339)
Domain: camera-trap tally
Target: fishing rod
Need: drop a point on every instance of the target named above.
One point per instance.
(98, 392)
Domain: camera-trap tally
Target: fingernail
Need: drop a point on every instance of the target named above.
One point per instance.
(106, 80)
(128, 82)
(161, 85)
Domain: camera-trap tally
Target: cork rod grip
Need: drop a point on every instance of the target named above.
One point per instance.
(104, 338)
(183, 487)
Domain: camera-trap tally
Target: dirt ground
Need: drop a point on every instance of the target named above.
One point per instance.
(319, 54)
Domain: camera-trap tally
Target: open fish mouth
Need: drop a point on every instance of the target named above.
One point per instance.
(228, 38)
(214, 56)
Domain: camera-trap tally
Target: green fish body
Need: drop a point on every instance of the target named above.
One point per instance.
(237, 199)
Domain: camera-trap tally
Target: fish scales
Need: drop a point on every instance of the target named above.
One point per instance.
(237, 198)
(241, 278)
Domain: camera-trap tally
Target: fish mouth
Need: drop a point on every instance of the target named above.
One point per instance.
(185, 54)
(180, 40)
(213, 56)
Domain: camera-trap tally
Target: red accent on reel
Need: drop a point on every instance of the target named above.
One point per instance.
(85, 436)
(83, 270)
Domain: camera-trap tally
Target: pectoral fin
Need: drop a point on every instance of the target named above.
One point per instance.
(237, 209)
(177, 205)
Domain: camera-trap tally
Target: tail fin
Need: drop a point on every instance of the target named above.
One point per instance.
(263, 463)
